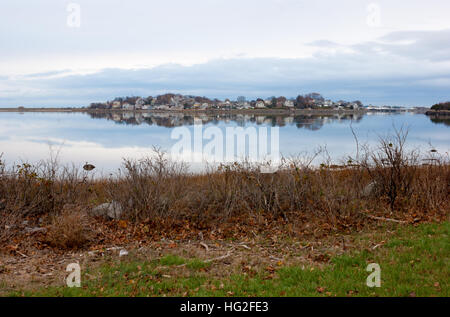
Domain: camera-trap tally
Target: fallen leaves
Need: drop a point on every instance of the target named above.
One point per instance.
(123, 224)
(320, 289)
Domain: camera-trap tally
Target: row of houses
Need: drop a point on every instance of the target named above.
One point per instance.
(180, 102)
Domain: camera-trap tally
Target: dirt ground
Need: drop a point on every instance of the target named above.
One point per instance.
(37, 267)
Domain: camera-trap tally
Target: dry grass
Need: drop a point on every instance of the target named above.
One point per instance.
(159, 191)
(69, 230)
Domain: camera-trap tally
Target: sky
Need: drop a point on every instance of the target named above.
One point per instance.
(71, 53)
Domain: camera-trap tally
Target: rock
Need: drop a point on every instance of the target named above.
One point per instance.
(123, 252)
(34, 230)
(111, 210)
(370, 189)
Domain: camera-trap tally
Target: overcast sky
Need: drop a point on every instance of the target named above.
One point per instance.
(71, 53)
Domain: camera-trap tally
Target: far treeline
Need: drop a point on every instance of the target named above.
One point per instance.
(441, 106)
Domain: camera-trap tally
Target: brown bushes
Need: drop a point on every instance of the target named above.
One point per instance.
(41, 189)
(69, 230)
(402, 180)
(159, 190)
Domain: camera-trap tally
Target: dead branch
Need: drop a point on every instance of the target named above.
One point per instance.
(205, 246)
(384, 219)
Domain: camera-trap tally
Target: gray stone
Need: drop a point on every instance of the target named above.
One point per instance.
(370, 189)
(34, 230)
(111, 210)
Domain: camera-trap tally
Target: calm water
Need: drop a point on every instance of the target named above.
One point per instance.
(104, 140)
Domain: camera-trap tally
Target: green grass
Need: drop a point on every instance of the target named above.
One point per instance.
(415, 261)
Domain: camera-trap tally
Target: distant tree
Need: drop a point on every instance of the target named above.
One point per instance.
(441, 106)
(280, 101)
(300, 102)
(315, 96)
(202, 99)
(241, 99)
(273, 103)
(164, 99)
(98, 105)
(131, 100)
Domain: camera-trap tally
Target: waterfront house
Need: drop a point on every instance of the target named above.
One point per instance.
(139, 103)
(116, 105)
(289, 103)
(260, 104)
(127, 106)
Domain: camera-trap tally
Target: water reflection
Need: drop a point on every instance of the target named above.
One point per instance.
(312, 122)
(104, 139)
(440, 120)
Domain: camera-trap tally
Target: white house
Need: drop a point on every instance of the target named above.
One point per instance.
(139, 103)
(116, 105)
(260, 104)
(289, 103)
(127, 106)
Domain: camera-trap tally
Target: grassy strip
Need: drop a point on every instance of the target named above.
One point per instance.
(413, 263)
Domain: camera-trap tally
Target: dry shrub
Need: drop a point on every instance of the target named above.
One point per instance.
(8, 223)
(162, 191)
(69, 230)
(431, 188)
(42, 188)
(392, 167)
(407, 179)
(148, 187)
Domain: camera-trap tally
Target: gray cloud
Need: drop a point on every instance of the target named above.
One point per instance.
(431, 46)
(402, 68)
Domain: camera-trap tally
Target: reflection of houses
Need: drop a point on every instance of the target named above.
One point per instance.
(260, 119)
(288, 120)
(127, 115)
(139, 118)
(173, 119)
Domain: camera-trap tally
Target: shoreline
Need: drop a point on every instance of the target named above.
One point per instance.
(216, 111)
(438, 113)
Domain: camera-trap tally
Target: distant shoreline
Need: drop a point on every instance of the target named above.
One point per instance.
(438, 113)
(215, 111)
